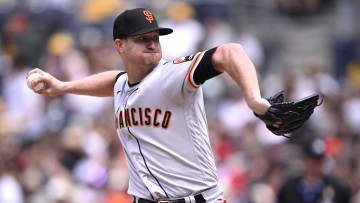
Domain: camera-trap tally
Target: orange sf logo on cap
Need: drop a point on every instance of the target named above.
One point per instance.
(149, 16)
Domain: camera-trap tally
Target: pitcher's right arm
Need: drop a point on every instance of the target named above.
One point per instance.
(100, 84)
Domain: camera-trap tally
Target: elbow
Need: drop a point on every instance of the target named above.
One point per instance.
(225, 53)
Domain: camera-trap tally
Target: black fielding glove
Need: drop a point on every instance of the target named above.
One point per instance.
(290, 115)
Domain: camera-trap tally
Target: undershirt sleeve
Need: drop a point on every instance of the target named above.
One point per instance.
(205, 69)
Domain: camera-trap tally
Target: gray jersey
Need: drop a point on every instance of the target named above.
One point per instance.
(162, 126)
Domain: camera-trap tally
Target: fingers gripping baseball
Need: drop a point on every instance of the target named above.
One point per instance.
(42, 82)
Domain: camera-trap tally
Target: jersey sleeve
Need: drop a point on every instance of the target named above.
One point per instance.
(118, 75)
(182, 77)
(119, 80)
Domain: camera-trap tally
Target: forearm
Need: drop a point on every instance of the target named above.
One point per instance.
(101, 85)
(232, 59)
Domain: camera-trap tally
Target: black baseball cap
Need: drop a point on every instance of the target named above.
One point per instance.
(136, 22)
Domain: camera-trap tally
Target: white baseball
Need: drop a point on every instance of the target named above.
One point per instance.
(30, 80)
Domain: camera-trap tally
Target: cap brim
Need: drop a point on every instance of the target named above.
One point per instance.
(165, 31)
(162, 31)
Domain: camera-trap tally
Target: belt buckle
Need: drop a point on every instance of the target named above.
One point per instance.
(164, 201)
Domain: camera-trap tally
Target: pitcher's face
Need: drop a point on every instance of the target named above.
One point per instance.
(143, 49)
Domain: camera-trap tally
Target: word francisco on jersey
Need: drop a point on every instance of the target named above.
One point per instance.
(132, 117)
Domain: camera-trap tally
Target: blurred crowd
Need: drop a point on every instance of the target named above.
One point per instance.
(65, 148)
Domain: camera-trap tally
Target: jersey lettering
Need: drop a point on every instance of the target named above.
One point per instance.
(156, 123)
(121, 121)
(151, 119)
(135, 122)
(147, 116)
(141, 117)
(166, 120)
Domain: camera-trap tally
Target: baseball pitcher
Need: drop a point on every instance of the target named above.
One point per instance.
(159, 110)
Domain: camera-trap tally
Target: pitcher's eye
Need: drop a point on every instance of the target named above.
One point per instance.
(146, 39)
(156, 38)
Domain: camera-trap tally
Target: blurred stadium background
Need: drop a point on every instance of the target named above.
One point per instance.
(65, 149)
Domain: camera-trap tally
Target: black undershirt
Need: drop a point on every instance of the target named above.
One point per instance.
(205, 69)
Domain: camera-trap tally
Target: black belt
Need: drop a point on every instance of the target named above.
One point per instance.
(198, 199)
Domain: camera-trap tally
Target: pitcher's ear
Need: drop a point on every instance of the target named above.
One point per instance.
(119, 44)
